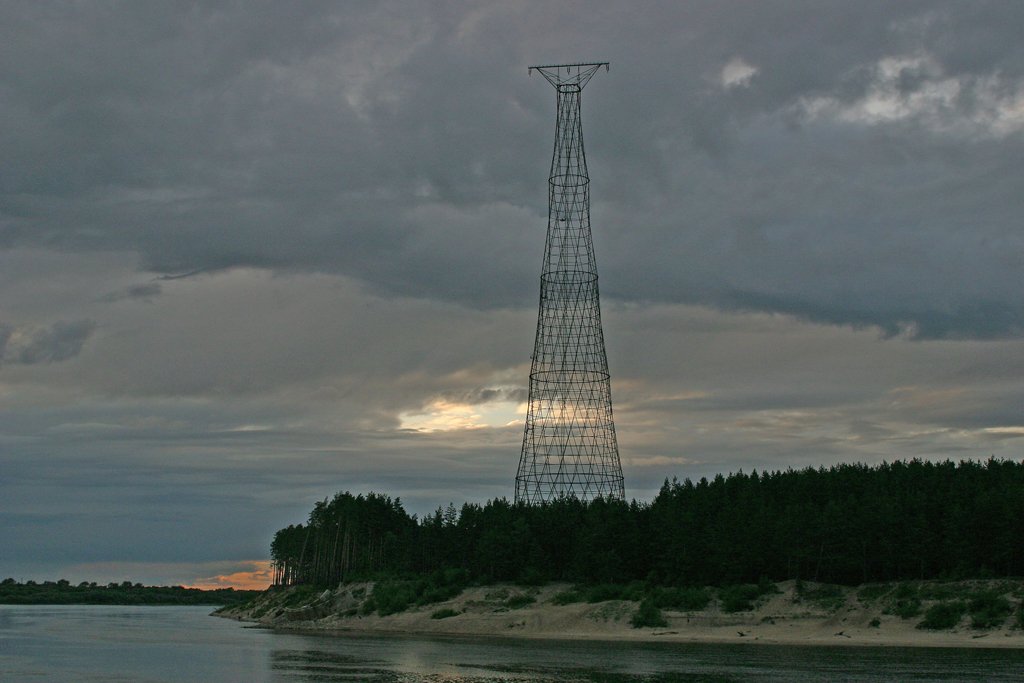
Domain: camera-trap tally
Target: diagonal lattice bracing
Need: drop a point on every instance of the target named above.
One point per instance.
(569, 444)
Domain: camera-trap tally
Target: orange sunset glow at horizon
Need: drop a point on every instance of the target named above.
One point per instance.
(259, 577)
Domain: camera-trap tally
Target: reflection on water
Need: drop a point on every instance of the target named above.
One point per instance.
(437, 660)
(183, 644)
(317, 665)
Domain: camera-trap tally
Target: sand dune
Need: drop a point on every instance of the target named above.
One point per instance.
(781, 618)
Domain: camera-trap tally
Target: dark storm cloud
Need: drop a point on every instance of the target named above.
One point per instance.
(853, 164)
(338, 213)
(145, 292)
(60, 341)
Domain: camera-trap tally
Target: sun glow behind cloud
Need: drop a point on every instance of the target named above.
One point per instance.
(240, 574)
(257, 576)
(442, 415)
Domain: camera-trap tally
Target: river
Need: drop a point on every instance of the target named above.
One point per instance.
(184, 644)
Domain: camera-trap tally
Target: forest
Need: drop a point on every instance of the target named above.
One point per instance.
(63, 592)
(847, 524)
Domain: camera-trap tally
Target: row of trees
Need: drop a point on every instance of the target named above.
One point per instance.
(63, 592)
(847, 524)
(348, 535)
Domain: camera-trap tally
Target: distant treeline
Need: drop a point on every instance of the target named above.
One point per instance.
(847, 524)
(63, 592)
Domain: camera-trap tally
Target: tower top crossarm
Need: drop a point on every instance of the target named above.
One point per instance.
(569, 74)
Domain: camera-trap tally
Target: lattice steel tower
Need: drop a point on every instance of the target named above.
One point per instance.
(569, 445)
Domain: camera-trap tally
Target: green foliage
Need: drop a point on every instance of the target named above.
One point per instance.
(531, 576)
(682, 599)
(873, 591)
(390, 596)
(444, 613)
(942, 591)
(906, 590)
(430, 594)
(906, 603)
(648, 615)
(846, 525)
(907, 608)
(1020, 615)
(943, 615)
(741, 598)
(613, 591)
(300, 595)
(875, 623)
(63, 593)
(568, 597)
(520, 600)
(988, 610)
(826, 596)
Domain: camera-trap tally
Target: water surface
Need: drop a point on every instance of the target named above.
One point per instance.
(179, 644)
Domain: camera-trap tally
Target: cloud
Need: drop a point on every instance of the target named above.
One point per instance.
(916, 88)
(146, 291)
(737, 73)
(252, 575)
(59, 342)
(806, 219)
(240, 575)
(854, 166)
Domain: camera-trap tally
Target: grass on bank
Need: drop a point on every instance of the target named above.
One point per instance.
(943, 615)
(397, 595)
(940, 605)
(444, 613)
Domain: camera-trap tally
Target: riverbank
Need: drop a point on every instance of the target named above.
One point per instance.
(795, 614)
(64, 592)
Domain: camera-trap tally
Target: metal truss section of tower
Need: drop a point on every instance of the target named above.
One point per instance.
(569, 444)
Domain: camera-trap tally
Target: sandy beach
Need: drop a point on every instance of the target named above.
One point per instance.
(780, 618)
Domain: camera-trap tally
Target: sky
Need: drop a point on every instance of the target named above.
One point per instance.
(256, 253)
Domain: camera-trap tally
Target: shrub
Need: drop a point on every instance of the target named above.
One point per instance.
(432, 594)
(520, 600)
(300, 595)
(907, 608)
(397, 595)
(647, 615)
(390, 597)
(738, 598)
(826, 596)
(567, 597)
(906, 590)
(989, 610)
(943, 615)
(873, 591)
(875, 623)
(687, 599)
(445, 613)
(942, 591)
(1020, 615)
(603, 592)
(906, 601)
(531, 576)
